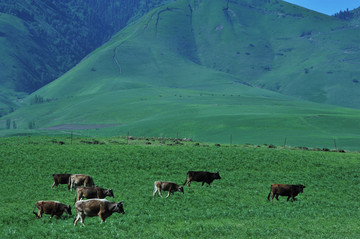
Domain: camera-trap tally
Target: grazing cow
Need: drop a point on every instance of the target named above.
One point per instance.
(201, 176)
(60, 178)
(291, 191)
(92, 192)
(94, 207)
(52, 208)
(167, 186)
(80, 180)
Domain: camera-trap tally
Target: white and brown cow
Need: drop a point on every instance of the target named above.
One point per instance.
(97, 207)
(52, 208)
(60, 178)
(167, 186)
(80, 180)
(92, 192)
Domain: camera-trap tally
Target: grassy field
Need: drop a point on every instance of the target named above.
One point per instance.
(234, 207)
(253, 116)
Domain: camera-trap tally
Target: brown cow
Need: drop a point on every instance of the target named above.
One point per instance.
(52, 208)
(94, 207)
(201, 176)
(291, 191)
(92, 192)
(167, 186)
(60, 178)
(80, 180)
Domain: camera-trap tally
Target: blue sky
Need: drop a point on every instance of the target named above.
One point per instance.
(328, 7)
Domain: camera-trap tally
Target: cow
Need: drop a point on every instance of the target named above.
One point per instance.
(94, 207)
(201, 176)
(52, 208)
(92, 192)
(167, 186)
(291, 191)
(60, 178)
(80, 180)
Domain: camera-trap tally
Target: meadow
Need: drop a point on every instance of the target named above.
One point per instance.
(234, 207)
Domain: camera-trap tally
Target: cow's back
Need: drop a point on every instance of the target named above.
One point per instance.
(61, 178)
(197, 175)
(90, 207)
(88, 192)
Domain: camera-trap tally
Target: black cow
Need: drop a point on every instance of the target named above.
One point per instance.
(291, 191)
(201, 176)
(60, 178)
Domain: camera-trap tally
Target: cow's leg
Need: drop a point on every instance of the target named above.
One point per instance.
(53, 185)
(155, 190)
(203, 183)
(53, 212)
(272, 197)
(168, 194)
(40, 213)
(188, 182)
(76, 219)
(288, 198)
(102, 216)
(82, 218)
(293, 198)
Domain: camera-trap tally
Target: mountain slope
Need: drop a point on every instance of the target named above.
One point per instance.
(276, 46)
(191, 67)
(41, 40)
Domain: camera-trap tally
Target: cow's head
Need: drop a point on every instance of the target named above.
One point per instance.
(109, 193)
(120, 207)
(301, 188)
(181, 189)
(217, 175)
(67, 210)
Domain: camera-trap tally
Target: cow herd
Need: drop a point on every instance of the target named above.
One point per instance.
(97, 205)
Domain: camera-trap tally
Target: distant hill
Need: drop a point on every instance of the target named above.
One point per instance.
(208, 69)
(41, 40)
(267, 44)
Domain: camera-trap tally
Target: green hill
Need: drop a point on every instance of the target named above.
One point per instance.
(41, 40)
(197, 68)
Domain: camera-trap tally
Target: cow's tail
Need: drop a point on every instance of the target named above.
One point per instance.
(37, 216)
(76, 194)
(270, 193)
(69, 183)
(187, 176)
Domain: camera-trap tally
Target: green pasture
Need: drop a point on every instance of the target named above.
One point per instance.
(252, 116)
(234, 207)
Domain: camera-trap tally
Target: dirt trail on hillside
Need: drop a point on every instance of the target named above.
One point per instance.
(79, 126)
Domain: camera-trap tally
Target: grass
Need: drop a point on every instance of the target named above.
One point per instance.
(200, 115)
(235, 206)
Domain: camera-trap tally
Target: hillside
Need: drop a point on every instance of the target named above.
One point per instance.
(196, 69)
(275, 46)
(41, 40)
